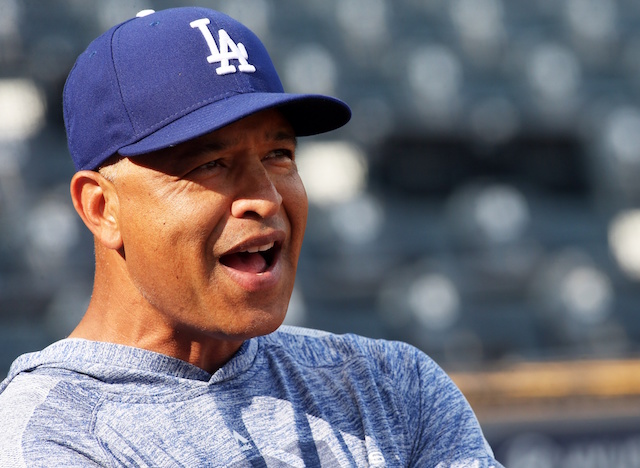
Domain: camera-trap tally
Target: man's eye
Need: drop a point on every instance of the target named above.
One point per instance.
(281, 154)
(210, 165)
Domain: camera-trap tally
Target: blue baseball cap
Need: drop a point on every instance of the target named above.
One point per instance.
(167, 77)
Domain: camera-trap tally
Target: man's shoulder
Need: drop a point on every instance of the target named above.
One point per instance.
(42, 415)
(23, 393)
(30, 392)
(21, 418)
(320, 348)
(44, 385)
(344, 344)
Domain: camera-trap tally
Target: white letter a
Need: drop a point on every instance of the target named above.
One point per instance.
(229, 50)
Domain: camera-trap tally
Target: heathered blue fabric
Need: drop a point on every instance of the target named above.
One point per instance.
(294, 398)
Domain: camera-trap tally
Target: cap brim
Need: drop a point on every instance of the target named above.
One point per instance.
(309, 114)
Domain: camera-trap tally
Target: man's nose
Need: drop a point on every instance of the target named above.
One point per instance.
(257, 195)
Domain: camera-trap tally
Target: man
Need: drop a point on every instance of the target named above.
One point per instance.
(184, 144)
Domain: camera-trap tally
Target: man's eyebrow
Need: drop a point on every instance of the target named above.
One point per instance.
(207, 147)
(220, 144)
(285, 136)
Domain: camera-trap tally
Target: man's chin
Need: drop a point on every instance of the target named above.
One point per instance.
(252, 324)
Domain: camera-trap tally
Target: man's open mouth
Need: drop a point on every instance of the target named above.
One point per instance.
(253, 260)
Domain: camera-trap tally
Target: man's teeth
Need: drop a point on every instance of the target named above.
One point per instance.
(261, 248)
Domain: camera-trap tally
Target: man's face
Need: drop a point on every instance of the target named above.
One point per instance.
(212, 229)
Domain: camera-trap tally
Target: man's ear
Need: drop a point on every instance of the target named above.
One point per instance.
(96, 201)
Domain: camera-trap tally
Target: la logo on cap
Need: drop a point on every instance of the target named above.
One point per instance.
(229, 50)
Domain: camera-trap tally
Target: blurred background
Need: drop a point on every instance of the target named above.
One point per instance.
(483, 204)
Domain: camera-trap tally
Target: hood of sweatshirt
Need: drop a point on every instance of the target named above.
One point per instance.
(120, 364)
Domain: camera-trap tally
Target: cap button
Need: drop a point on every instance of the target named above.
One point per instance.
(144, 13)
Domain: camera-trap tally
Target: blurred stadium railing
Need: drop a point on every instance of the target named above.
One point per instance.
(483, 204)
